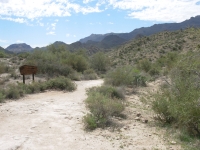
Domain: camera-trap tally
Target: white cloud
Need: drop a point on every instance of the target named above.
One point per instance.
(19, 20)
(110, 23)
(158, 10)
(155, 10)
(50, 33)
(32, 9)
(87, 1)
(19, 41)
(3, 1)
(67, 35)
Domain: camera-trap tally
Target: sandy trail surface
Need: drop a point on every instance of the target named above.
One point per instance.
(53, 121)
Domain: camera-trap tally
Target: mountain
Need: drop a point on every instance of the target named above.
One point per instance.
(156, 46)
(4, 51)
(146, 31)
(17, 48)
(95, 37)
(111, 41)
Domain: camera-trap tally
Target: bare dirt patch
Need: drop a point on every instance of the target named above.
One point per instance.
(53, 120)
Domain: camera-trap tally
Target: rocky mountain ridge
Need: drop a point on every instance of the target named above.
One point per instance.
(104, 42)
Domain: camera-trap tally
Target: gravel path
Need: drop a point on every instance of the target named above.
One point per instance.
(53, 121)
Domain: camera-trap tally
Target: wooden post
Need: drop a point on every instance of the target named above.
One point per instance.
(33, 77)
(24, 79)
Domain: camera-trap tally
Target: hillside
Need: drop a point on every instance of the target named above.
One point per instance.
(17, 48)
(146, 31)
(156, 46)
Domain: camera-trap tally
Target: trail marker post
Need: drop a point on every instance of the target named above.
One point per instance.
(27, 70)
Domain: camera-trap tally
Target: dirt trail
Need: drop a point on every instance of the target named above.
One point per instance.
(53, 121)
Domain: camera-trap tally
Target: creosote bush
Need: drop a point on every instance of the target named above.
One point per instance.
(15, 91)
(89, 74)
(110, 91)
(102, 105)
(179, 103)
(58, 61)
(126, 75)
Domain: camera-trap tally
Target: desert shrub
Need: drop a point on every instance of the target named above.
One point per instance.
(110, 91)
(77, 62)
(145, 65)
(167, 60)
(139, 80)
(61, 83)
(100, 62)
(155, 70)
(126, 75)
(57, 61)
(2, 96)
(89, 74)
(182, 98)
(103, 103)
(3, 68)
(90, 122)
(102, 108)
(162, 107)
(14, 92)
(35, 88)
(2, 54)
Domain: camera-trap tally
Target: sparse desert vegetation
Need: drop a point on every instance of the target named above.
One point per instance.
(173, 56)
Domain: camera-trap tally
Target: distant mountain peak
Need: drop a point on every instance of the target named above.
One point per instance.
(19, 47)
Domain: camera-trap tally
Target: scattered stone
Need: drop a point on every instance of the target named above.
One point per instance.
(137, 118)
(126, 127)
(138, 114)
(173, 142)
(145, 121)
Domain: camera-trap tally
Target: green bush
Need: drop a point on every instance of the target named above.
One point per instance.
(1, 97)
(14, 92)
(102, 105)
(110, 91)
(100, 62)
(77, 62)
(3, 68)
(161, 106)
(125, 75)
(57, 62)
(2, 54)
(144, 65)
(61, 83)
(182, 99)
(90, 122)
(89, 74)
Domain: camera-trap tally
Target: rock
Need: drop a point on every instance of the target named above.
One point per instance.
(138, 114)
(137, 118)
(173, 142)
(145, 121)
(126, 127)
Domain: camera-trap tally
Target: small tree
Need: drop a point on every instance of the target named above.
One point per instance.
(100, 62)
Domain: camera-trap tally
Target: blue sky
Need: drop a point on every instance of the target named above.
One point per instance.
(42, 22)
